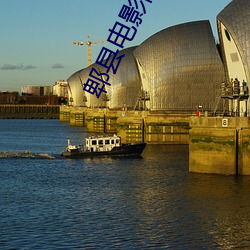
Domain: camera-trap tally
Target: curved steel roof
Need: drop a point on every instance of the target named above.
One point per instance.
(92, 100)
(124, 87)
(236, 18)
(181, 67)
(125, 84)
(75, 89)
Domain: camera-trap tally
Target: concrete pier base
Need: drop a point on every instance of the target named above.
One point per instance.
(132, 126)
(64, 114)
(219, 145)
(167, 129)
(94, 120)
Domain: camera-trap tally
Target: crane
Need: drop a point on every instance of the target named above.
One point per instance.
(89, 43)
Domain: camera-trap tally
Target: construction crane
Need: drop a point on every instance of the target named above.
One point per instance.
(89, 43)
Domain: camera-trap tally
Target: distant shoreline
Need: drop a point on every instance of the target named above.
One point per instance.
(24, 111)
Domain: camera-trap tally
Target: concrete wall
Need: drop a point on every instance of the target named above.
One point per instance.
(132, 126)
(167, 129)
(219, 145)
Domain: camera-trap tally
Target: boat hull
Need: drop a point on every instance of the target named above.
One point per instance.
(126, 150)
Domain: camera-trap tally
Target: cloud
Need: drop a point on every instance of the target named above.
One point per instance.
(7, 66)
(27, 67)
(57, 66)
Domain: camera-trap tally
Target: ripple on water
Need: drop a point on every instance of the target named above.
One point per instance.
(148, 203)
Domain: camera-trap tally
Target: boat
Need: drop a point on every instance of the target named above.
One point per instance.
(102, 146)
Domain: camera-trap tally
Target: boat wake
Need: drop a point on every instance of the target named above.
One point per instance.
(26, 154)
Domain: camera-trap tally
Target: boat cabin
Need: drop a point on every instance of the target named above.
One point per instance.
(105, 143)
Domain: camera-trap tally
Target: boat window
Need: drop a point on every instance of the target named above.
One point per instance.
(100, 142)
(117, 141)
(94, 142)
(107, 142)
(112, 142)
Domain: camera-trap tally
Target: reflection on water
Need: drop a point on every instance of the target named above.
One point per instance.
(148, 203)
(224, 201)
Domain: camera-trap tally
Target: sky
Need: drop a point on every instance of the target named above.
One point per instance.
(36, 35)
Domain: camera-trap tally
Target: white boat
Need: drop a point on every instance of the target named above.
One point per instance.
(103, 146)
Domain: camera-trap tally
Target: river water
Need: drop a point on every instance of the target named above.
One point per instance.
(150, 203)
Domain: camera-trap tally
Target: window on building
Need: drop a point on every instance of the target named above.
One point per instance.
(227, 35)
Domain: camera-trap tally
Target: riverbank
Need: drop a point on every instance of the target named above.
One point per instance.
(25, 111)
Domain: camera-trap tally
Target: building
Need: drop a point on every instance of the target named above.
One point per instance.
(125, 85)
(76, 94)
(9, 97)
(234, 33)
(125, 88)
(38, 95)
(89, 99)
(60, 89)
(179, 68)
(37, 90)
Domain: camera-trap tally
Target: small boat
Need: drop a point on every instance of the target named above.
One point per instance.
(101, 146)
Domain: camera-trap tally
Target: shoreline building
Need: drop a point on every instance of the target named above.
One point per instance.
(234, 33)
(179, 69)
(76, 95)
(125, 85)
(39, 95)
(60, 89)
(9, 97)
(37, 90)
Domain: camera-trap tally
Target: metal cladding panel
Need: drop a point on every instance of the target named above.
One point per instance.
(125, 84)
(75, 89)
(92, 100)
(124, 87)
(181, 67)
(236, 18)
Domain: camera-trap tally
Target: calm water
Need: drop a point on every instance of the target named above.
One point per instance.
(148, 203)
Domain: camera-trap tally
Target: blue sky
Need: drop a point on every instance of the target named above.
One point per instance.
(36, 35)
